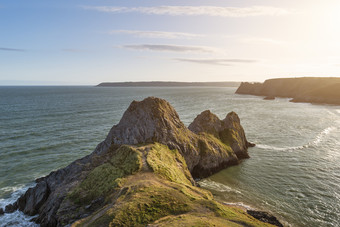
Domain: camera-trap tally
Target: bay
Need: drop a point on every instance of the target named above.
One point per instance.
(293, 171)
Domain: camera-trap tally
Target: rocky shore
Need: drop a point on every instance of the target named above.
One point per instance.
(319, 90)
(143, 174)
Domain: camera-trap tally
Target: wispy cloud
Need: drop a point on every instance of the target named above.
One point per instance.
(196, 10)
(262, 40)
(225, 62)
(171, 48)
(11, 49)
(157, 34)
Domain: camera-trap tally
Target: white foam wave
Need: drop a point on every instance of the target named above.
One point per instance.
(16, 218)
(268, 147)
(321, 136)
(213, 185)
(317, 140)
(239, 204)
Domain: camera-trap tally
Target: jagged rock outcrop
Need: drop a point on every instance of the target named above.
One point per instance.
(321, 90)
(152, 146)
(265, 217)
(227, 133)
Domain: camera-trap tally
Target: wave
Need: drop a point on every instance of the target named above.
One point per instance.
(321, 136)
(239, 204)
(16, 218)
(213, 185)
(268, 147)
(317, 140)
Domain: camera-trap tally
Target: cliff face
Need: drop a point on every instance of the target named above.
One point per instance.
(306, 89)
(142, 173)
(155, 120)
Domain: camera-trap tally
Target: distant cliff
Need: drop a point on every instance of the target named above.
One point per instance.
(142, 175)
(320, 90)
(168, 84)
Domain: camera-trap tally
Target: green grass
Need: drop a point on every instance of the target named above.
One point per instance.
(105, 178)
(169, 164)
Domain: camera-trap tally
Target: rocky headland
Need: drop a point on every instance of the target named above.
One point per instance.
(143, 174)
(320, 90)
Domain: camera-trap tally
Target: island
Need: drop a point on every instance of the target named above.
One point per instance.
(319, 90)
(168, 84)
(144, 174)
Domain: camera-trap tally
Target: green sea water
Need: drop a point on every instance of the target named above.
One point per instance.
(293, 171)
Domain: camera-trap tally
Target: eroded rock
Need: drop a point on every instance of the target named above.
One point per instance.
(72, 193)
(265, 217)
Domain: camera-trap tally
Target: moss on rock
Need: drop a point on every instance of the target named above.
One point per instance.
(169, 164)
(105, 178)
(164, 196)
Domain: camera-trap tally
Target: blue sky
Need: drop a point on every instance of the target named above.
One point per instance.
(88, 42)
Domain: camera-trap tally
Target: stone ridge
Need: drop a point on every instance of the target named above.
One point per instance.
(209, 146)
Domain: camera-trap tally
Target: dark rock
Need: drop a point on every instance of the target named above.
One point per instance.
(10, 208)
(265, 217)
(249, 144)
(2, 211)
(33, 199)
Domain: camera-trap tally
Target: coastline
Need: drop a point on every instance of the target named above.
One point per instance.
(308, 145)
(66, 195)
(315, 90)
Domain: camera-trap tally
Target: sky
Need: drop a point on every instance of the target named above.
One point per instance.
(83, 42)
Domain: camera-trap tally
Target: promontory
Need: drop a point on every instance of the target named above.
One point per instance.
(143, 174)
(320, 90)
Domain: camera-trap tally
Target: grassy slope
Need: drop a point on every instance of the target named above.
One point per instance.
(155, 189)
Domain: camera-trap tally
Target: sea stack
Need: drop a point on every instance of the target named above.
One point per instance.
(143, 174)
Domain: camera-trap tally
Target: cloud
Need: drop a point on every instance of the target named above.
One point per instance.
(157, 34)
(196, 10)
(171, 48)
(262, 40)
(225, 62)
(11, 49)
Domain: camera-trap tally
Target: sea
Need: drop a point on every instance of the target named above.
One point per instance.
(293, 172)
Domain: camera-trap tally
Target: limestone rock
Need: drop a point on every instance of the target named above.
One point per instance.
(154, 120)
(71, 193)
(228, 130)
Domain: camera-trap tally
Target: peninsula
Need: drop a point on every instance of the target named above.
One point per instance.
(168, 84)
(320, 90)
(143, 174)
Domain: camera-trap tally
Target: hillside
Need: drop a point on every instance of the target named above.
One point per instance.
(320, 90)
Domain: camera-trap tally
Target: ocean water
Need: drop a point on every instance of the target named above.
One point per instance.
(293, 172)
